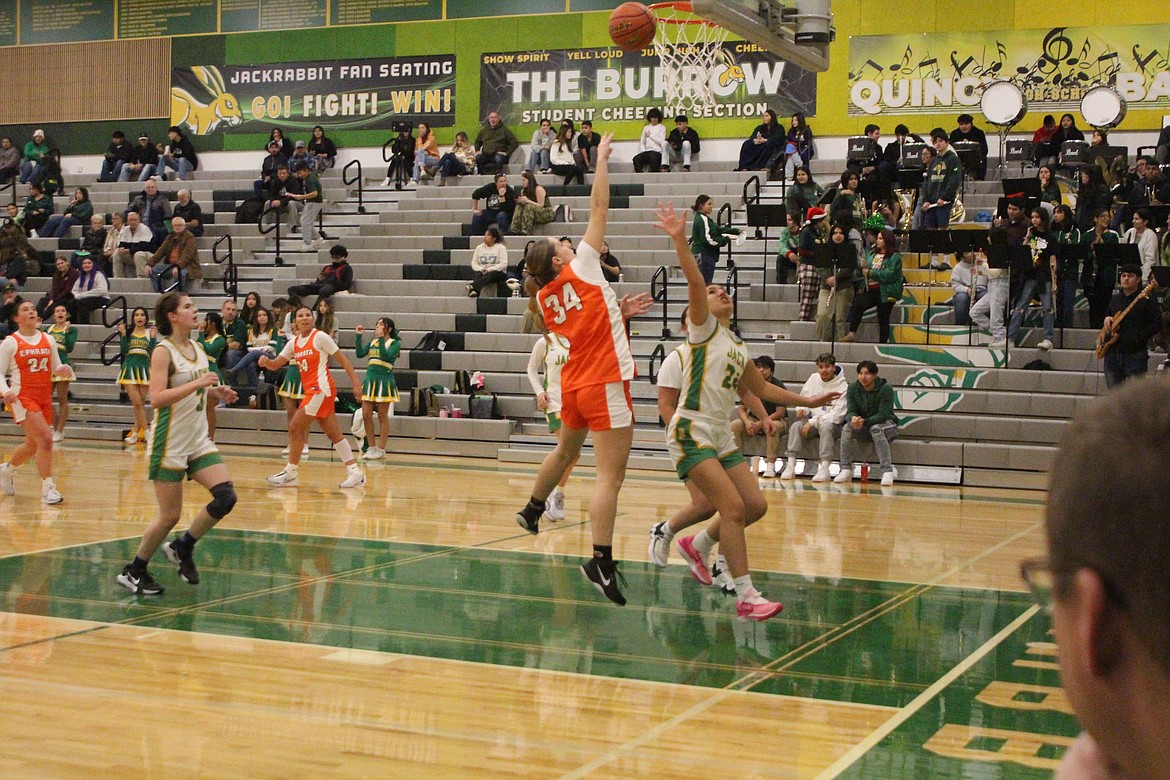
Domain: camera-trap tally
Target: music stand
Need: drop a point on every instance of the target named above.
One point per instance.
(1028, 186)
(1074, 154)
(766, 215)
(935, 242)
(1017, 260)
(1019, 151)
(912, 156)
(1158, 215)
(861, 149)
(832, 256)
(970, 154)
(1106, 155)
(1161, 275)
(1066, 253)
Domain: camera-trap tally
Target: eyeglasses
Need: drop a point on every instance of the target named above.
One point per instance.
(1040, 575)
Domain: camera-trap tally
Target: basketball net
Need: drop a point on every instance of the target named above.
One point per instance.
(690, 49)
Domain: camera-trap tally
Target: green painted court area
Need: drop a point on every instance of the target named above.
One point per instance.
(843, 640)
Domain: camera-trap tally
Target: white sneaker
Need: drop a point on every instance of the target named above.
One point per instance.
(132, 437)
(58, 436)
(789, 469)
(1045, 345)
(659, 549)
(284, 478)
(998, 344)
(554, 508)
(50, 495)
(770, 471)
(887, 479)
(7, 483)
(845, 476)
(386, 182)
(822, 474)
(355, 479)
(375, 453)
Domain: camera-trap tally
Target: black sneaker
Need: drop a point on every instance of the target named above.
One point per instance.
(187, 571)
(142, 584)
(529, 519)
(605, 575)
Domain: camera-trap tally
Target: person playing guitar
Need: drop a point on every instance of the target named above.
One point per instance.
(1131, 320)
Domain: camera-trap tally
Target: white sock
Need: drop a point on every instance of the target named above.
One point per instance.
(704, 543)
(743, 586)
(354, 468)
(666, 532)
(558, 491)
(289, 468)
(343, 450)
(7, 467)
(46, 483)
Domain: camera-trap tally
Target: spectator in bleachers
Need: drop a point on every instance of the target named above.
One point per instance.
(460, 161)
(1067, 131)
(489, 261)
(762, 146)
(135, 246)
(14, 267)
(1143, 234)
(323, 149)
(836, 293)
(116, 156)
(60, 288)
(707, 237)
(1092, 196)
(883, 282)
(10, 301)
(499, 205)
(745, 422)
(848, 204)
(1042, 137)
(562, 157)
(787, 256)
(1049, 189)
(426, 154)
(214, 345)
(941, 186)
(38, 207)
(151, 207)
(301, 156)
(1129, 356)
(823, 422)
(143, 161)
(869, 414)
(234, 331)
(808, 276)
(9, 160)
(1099, 278)
(533, 206)
(325, 320)
(1152, 189)
(1039, 280)
(178, 257)
(52, 179)
(252, 304)
(682, 143)
(190, 211)
(803, 193)
(311, 202)
(337, 277)
(110, 242)
(77, 212)
(494, 145)
(967, 131)
(651, 144)
(1065, 233)
(969, 283)
(587, 142)
(91, 291)
(611, 269)
(278, 195)
(273, 160)
(262, 340)
(180, 154)
(34, 156)
(538, 150)
(800, 138)
(93, 241)
(276, 135)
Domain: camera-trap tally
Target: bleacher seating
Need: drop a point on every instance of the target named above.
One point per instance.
(968, 415)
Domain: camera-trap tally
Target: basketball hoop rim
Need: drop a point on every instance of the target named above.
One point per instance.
(685, 7)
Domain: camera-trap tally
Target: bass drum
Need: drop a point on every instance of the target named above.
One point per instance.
(1003, 103)
(1102, 107)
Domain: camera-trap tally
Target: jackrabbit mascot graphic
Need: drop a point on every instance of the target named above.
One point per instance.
(204, 115)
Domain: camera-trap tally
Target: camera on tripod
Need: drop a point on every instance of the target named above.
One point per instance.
(398, 151)
(404, 143)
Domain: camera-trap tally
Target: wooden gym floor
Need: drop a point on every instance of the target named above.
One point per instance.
(412, 630)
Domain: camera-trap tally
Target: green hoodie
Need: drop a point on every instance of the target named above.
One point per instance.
(874, 406)
(35, 152)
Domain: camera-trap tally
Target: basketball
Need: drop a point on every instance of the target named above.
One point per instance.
(632, 25)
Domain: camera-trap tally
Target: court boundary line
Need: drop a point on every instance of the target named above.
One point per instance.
(881, 732)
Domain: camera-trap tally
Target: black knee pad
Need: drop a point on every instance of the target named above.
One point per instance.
(223, 498)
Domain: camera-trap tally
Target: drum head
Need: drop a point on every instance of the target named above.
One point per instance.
(1102, 107)
(1003, 103)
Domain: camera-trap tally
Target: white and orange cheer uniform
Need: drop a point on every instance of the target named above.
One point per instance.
(26, 366)
(595, 382)
(311, 355)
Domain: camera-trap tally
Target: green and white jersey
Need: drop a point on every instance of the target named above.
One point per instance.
(189, 414)
(713, 360)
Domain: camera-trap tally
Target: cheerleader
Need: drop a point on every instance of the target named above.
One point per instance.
(31, 357)
(379, 388)
(551, 353)
(311, 349)
(290, 391)
(66, 336)
(214, 344)
(134, 378)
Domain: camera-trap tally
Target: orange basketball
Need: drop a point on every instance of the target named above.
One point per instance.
(632, 25)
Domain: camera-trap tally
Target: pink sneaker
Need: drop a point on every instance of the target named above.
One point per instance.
(755, 607)
(699, 570)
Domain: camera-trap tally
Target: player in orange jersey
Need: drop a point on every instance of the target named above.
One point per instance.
(310, 349)
(578, 304)
(30, 357)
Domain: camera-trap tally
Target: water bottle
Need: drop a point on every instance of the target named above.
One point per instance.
(864, 473)
(444, 412)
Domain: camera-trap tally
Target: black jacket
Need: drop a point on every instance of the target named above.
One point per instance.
(676, 139)
(1139, 326)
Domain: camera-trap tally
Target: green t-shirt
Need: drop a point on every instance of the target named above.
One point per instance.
(313, 184)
